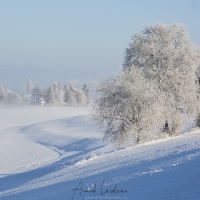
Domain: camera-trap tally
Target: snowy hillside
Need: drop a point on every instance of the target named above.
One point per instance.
(50, 153)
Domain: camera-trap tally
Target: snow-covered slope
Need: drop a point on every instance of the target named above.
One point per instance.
(45, 153)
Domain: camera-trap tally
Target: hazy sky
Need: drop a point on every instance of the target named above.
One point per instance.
(87, 37)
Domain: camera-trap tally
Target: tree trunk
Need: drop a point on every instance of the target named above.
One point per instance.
(198, 120)
(137, 138)
(166, 127)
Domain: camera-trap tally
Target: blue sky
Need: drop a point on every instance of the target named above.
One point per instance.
(80, 38)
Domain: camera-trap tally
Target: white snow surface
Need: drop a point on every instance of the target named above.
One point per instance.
(46, 152)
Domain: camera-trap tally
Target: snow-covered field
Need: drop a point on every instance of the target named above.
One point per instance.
(49, 153)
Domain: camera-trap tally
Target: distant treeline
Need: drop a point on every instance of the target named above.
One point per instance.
(55, 95)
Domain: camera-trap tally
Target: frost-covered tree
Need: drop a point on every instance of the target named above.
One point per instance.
(166, 54)
(9, 97)
(3, 90)
(81, 98)
(74, 96)
(86, 91)
(127, 105)
(59, 94)
(37, 91)
(29, 87)
(13, 98)
(50, 95)
(69, 95)
(55, 94)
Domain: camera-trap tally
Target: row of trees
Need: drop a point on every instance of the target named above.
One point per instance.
(55, 94)
(58, 95)
(157, 90)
